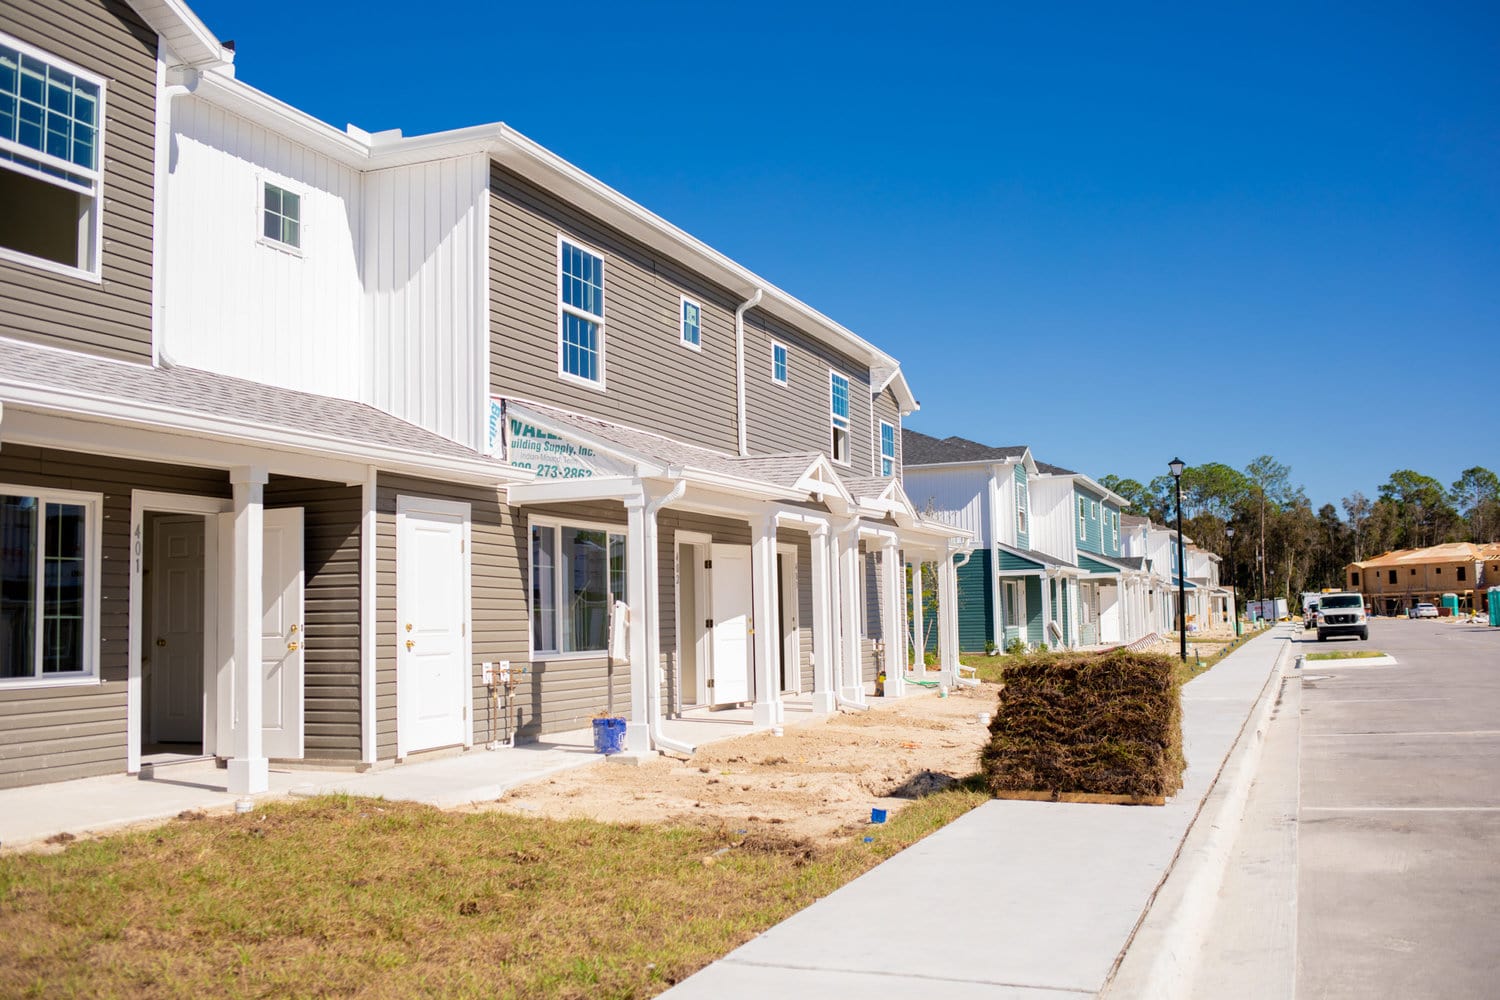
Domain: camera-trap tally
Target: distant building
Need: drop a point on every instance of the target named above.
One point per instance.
(1403, 578)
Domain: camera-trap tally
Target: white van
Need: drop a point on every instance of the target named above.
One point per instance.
(1342, 614)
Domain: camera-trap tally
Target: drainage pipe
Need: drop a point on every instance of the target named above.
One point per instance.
(957, 677)
(162, 146)
(652, 624)
(739, 363)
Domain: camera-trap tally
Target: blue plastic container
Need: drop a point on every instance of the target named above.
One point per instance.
(609, 735)
(877, 815)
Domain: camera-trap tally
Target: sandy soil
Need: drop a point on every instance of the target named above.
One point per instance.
(818, 781)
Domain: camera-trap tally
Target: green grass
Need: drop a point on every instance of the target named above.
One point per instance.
(362, 897)
(1350, 654)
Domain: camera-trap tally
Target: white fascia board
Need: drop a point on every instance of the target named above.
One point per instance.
(820, 479)
(155, 416)
(184, 32)
(895, 380)
(735, 484)
(573, 490)
(281, 118)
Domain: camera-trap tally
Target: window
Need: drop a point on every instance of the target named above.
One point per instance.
(577, 573)
(778, 363)
(281, 216)
(1023, 506)
(1354, 579)
(47, 586)
(1413, 571)
(51, 128)
(1392, 576)
(1461, 574)
(1439, 571)
(580, 292)
(1012, 601)
(1083, 528)
(692, 324)
(887, 449)
(838, 406)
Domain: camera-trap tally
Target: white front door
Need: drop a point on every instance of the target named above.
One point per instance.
(729, 581)
(432, 608)
(283, 634)
(176, 638)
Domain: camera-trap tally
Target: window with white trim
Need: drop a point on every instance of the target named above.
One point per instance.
(887, 449)
(281, 216)
(1023, 506)
(48, 579)
(580, 300)
(838, 410)
(1083, 511)
(577, 573)
(1011, 598)
(51, 130)
(692, 324)
(780, 371)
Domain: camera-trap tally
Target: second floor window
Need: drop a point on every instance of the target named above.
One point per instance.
(692, 324)
(51, 124)
(282, 212)
(581, 319)
(1023, 506)
(887, 449)
(838, 406)
(1083, 524)
(779, 370)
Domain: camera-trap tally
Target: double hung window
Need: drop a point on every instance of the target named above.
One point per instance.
(838, 405)
(580, 314)
(51, 128)
(47, 582)
(779, 369)
(887, 449)
(577, 573)
(1023, 506)
(692, 324)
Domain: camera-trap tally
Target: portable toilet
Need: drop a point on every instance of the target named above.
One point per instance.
(1494, 593)
(1449, 606)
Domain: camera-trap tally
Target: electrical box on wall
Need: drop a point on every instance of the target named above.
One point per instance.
(487, 673)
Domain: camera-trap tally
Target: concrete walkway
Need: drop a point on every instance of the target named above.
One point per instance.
(1014, 900)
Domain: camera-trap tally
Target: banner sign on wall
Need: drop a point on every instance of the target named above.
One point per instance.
(549, 455)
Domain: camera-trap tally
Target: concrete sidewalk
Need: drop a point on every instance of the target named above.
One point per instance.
(1015, 899)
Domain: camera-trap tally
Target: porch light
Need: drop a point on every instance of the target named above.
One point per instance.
(1176, 466)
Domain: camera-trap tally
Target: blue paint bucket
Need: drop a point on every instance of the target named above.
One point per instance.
(877, 815)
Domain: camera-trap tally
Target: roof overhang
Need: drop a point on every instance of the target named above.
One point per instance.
(185, 34)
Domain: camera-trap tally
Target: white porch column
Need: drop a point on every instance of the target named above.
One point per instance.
(851, 679)
(768, 709)
(893, 629)
(823, 699)
(638, 728)
(1047, 638)
(947, 661)
(918, 626)
(248, 770)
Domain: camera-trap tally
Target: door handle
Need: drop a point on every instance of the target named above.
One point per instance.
(293, 646)
(161, 643)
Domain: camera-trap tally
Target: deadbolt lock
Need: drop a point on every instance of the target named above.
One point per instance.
(293, 647)
(408, 626)
(296, 628)
(161, 643)
(410, 645)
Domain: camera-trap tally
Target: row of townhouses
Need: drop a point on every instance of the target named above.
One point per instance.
(331, 446)
(311, 438)
(1057, 562)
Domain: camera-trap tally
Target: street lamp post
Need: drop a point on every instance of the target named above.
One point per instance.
(1234, 595)
(1176, 466)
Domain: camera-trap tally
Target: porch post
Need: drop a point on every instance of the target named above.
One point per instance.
(768, 708)
(851, 678)
(893, 629)
(1046, 589)
(638, 728)
(918, 636)
(947, 621)
(823, 699)
(249, 773)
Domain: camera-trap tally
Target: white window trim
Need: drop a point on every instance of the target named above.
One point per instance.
(788, 380)
(261, 180)
(848, 421)
(682, 304)
(1083, 519)
(542, 521)
(565, 309)
(95, 273)
(1023, 508)
(880, 444)
(93, 562)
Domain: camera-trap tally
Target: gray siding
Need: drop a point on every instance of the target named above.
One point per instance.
(795, 416)
(113, 317)
(53, 734)
(331, 524)
(653, 381)
(886, 409)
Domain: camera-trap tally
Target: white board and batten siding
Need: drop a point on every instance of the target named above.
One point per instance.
(386, 300)
(960, 494)
(1054, 517)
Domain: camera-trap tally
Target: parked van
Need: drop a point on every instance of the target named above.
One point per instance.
(1342, 614)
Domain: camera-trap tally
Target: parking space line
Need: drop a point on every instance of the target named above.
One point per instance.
(1413, 809)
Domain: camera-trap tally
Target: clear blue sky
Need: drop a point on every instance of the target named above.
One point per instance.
(1115, 233)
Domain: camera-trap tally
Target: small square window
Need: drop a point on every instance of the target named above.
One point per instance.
(779, 369)
(692, 324)
(282, 216)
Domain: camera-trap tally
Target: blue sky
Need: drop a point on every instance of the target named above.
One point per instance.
(1115, 232)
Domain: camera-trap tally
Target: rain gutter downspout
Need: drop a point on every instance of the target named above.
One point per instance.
(653, 635)
(162, 150)
(739, 363)
(959, 564)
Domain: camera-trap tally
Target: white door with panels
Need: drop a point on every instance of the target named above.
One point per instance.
(432, 611)
(731, 603)
(176, 651)
(283, 634)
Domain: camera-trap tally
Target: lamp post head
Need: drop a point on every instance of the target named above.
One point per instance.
(1229, 532)
(1176, 465)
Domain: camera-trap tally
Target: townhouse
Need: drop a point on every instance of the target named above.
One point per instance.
(1402, 578)
(1048, 568)
(407, 423)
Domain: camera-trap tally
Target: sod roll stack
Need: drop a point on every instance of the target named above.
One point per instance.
(1108, 726)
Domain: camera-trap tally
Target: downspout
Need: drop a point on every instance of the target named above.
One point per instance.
(739, 363)
(163, 152)
(953, 642)
(653, 634)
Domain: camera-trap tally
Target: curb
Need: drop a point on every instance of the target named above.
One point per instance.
(1160, 960)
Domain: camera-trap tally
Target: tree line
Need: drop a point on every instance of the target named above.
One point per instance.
(1274, 544)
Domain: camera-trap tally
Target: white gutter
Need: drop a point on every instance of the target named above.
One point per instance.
(167, 94)
(958, 678)
(652, 623)
(739, 363)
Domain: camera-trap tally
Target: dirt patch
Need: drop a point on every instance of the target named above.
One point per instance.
(812, 786)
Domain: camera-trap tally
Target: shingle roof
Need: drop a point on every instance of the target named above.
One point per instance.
(222, 397)
(1134, 519)
(1447, 552)
(783, 470)
(864, 486)
(923, 449)
(1039, 557)
(1054, 470)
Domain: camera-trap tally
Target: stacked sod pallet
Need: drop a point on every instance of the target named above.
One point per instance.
(1085, 727)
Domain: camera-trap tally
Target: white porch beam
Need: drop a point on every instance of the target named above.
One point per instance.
(824, 696)
(573, 490)
(763, 577)
(249, 772)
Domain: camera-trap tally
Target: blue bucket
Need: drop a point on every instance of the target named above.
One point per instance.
(609, 735)
(877, 815)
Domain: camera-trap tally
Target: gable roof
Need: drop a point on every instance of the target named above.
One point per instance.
(924, 449)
